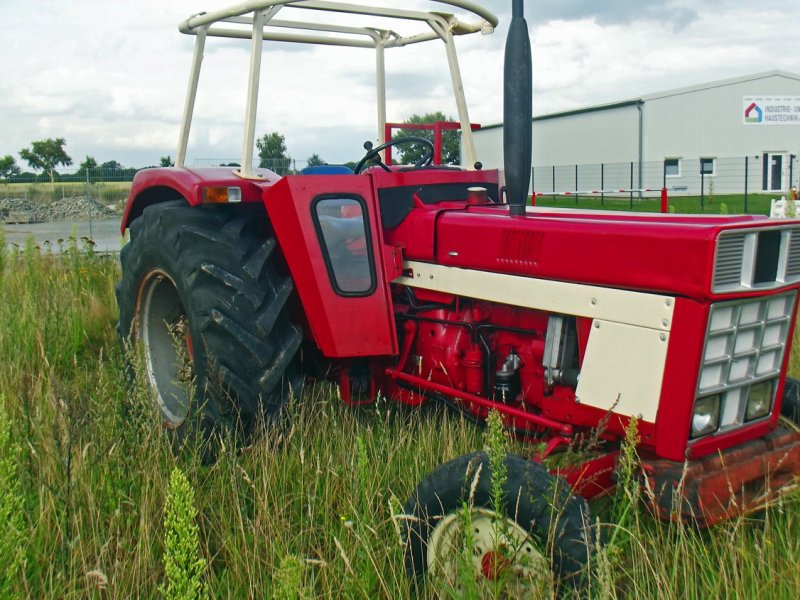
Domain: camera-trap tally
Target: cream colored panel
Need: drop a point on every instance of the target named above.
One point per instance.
(621, 306)
(623, 362)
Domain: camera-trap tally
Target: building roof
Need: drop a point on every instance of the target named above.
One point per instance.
(657, 95)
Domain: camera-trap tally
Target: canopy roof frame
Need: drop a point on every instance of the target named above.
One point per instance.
(258, 18)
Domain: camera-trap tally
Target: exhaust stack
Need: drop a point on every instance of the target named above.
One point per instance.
(517, 111)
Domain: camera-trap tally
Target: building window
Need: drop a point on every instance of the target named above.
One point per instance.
(707, 166)
(672, 167)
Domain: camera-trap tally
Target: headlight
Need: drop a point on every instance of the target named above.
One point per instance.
(705, 418)
(759, 401)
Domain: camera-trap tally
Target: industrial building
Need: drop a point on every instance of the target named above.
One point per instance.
(725, 134)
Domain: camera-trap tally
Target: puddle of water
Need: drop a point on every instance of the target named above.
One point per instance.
(105, 234)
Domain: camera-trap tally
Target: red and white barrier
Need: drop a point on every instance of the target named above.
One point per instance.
(663, 191)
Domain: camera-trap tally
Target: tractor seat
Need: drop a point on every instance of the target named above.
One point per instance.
(327, 170)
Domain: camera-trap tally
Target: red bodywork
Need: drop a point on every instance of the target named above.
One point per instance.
(426, 344)
(438, 128)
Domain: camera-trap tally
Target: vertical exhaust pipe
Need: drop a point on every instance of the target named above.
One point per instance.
(517, 111)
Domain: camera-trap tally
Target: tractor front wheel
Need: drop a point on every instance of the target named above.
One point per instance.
(790, 408)
(202, 294)
(538, 540)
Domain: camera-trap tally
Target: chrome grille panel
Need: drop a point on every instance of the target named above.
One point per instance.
(793, 259)
(738, 267)
(728, 263)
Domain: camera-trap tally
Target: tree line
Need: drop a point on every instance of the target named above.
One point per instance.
(49, 154)
(45, 156)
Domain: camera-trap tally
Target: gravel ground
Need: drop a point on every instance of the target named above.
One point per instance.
(20, 210)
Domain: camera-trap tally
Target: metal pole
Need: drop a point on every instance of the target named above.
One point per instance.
(631, 199)
(746, 174)
(458, 90)
(602, 184)
(640, 107)
(380, 68)
(437, 143)
(191, 94)
(246, 168)
(89, 197)
(702, 188)
(554, 179)
(576, 185)
(533, 181)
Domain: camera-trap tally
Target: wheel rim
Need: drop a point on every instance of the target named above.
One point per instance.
(501, 551)
(163, 330)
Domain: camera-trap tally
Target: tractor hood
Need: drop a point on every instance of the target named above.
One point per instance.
(668, 254)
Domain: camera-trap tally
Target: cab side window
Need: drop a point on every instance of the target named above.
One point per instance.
(344, 237)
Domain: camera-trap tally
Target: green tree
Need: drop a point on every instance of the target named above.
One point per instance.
(166, 161)
(111, 165)
(85, 167)
(272, 153)
(411, 153)
(315, 160)
(47, 155)
(8, 167)
(89, 163)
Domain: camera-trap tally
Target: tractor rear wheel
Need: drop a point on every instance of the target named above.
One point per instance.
(540, 539)
(202, 295)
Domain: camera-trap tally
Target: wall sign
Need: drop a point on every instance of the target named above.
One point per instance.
(771, 110)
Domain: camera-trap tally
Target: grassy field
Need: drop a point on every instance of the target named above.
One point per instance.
(309, 511)
(726, 204)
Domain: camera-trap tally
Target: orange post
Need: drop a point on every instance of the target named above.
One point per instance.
(664, 201)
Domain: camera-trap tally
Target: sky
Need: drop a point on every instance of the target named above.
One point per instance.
(110, 77)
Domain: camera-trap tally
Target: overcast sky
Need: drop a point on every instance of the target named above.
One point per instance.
(110, 77)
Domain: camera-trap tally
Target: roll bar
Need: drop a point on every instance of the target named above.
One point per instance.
(254, 20)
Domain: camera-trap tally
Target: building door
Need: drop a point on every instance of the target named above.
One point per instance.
(772, 172)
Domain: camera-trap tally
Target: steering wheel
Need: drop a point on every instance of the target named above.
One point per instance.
(372, 153)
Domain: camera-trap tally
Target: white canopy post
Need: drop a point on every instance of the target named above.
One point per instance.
(380, 62)
(246, 168)
(445, 32)
(191, 95)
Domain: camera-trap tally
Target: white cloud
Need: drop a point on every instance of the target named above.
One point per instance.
(111, 77)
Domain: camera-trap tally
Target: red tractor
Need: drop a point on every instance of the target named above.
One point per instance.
(431, 282)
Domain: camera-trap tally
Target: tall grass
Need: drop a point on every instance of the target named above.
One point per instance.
(310, 510)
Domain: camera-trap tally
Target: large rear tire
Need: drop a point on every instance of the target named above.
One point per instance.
(540, 539)
(202, 294)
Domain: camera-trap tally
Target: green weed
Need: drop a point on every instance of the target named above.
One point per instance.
(12, 515)
(315, 499)
(184, 565)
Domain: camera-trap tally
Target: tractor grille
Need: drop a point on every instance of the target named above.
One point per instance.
(745, 346)
(760, 259)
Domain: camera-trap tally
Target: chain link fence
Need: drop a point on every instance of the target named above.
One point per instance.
(281, 166)
(700, 178)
